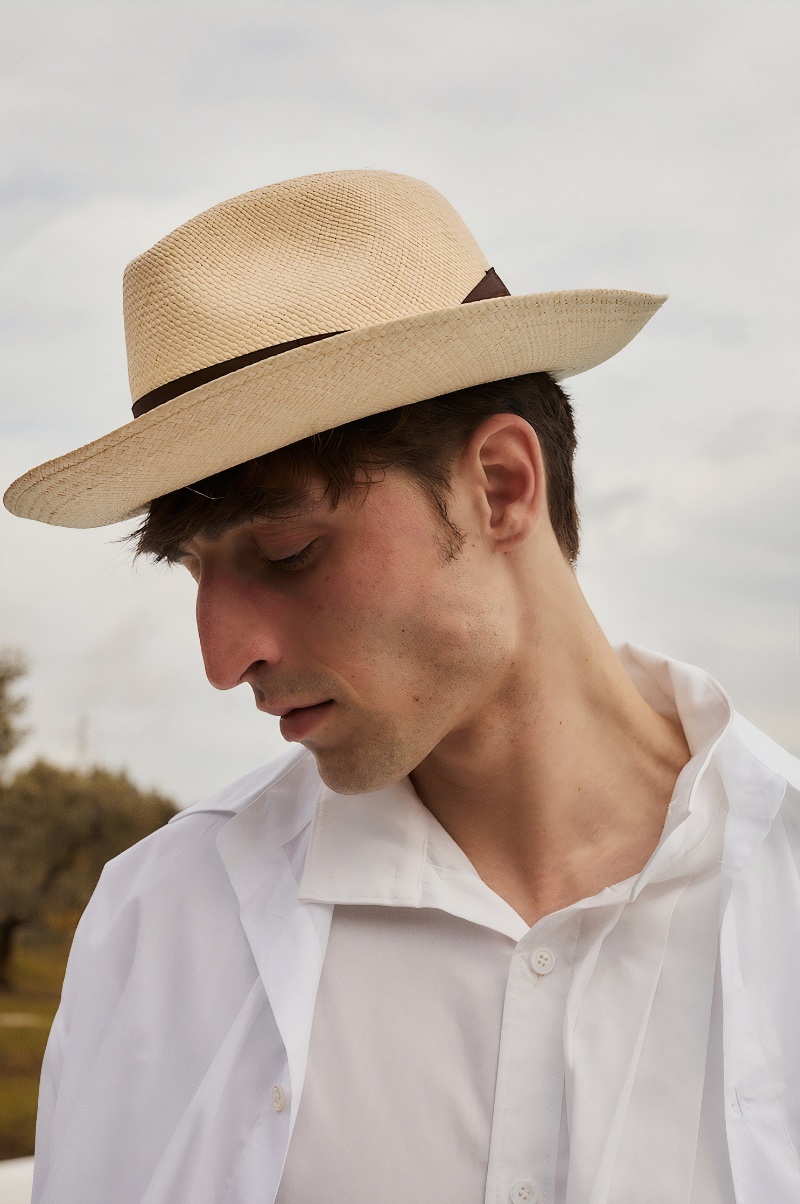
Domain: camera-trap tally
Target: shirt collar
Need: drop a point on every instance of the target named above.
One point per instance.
(679, 691)
(387, 848)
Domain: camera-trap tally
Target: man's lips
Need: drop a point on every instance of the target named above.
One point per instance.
(279, 711)
(297, 721)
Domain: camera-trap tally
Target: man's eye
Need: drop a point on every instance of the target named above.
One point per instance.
(289, 563)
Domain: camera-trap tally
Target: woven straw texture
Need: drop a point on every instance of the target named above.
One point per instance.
(384, 258)
(336, 251)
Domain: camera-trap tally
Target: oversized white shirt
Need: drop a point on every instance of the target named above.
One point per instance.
(599, 1017)
(176, 1066)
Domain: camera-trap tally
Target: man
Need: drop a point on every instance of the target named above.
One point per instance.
(518, 920)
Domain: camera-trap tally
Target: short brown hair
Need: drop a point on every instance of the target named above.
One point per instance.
(423, 440)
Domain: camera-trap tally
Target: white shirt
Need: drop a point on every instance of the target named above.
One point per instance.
(175, 1069)
(598, 1017)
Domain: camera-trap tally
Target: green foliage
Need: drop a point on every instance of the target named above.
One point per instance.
(58, 827)
(12, 667)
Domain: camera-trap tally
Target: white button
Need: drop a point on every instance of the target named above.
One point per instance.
(542, 961)
(278, 1099)
(525, 1191)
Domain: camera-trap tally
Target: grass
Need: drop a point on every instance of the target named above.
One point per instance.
(26, 1013)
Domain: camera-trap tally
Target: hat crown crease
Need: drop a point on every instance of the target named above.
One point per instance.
(335, 251)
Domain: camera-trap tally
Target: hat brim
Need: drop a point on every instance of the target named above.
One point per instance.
(278, 401)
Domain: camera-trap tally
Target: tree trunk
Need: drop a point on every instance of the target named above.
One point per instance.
(8, 930)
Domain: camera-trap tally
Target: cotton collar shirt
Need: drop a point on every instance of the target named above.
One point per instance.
(459, 1055)
(290, 995)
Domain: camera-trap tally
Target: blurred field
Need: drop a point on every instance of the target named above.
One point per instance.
(26, 1013)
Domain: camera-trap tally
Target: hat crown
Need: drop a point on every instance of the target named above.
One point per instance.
(314, 255)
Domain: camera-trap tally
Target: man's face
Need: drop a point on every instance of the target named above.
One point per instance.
(375, 643)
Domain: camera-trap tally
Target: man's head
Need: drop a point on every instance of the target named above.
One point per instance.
(424, 543)
(408, 540)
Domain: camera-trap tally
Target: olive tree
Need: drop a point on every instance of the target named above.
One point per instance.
(58, 827)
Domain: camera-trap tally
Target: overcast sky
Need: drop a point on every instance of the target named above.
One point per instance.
(586, 143)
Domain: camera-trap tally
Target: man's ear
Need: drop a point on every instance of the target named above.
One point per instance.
(505, 458)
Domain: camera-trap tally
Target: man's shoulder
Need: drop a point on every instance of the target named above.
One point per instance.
(766, 771)
(185, 849)
(174, 885)
(288, 777)
(766, 751)
(295, 769)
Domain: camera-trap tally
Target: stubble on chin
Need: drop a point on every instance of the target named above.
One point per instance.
(377, 755)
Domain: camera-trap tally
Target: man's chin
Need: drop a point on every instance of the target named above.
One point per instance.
(344, 773)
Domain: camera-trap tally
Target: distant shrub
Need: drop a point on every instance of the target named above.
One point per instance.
(58, 828)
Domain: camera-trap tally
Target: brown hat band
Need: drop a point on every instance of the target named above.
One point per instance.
(488, 286)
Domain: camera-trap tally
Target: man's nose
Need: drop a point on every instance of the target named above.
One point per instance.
(238, 630)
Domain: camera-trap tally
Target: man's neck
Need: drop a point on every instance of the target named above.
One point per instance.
(559, 786)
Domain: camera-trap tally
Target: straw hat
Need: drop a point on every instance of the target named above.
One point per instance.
(299, 307)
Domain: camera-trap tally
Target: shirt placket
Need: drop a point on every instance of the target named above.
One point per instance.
(530, 1079)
